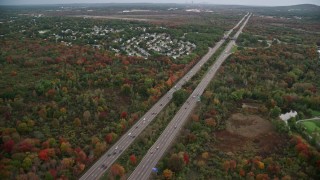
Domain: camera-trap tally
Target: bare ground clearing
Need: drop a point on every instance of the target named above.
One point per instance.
(249, 133)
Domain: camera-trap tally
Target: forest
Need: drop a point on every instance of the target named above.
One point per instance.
(236, 133)
(66, 97)
(63, 105)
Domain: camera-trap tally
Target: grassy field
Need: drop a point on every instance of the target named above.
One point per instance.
(234, 49)
(315, 113)
(312, 126)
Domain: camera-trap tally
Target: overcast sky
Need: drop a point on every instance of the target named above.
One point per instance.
(238, 2)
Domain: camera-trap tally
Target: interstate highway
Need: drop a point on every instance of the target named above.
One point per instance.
(150, 160)
(108, 158)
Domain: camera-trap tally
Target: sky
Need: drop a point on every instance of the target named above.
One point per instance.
(235, 2)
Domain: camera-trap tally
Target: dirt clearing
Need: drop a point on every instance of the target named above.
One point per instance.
(248, 125)
(249, 133)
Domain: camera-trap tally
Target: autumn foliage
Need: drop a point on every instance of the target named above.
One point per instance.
(186, 158)
(8, 146)
(124, 115)
(133, 159)
(226, 166)
(233, 164)
(109, 138)
(117, 170)
(43, 155)
(167, 174)
(195, 117)
(211, 122)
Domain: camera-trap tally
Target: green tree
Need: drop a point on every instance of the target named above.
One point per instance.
(23, 127)
(275, 112)
(180, 96)
(48, 176)
(126, 90)
(176, 163)
(26, 164)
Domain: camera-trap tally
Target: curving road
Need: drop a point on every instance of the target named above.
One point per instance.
(107, 159)
(310, 119)
(150, 160)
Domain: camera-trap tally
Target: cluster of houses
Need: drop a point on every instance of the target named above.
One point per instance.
(142, 41)
(73, 35)
(160, 43)
(143, 45)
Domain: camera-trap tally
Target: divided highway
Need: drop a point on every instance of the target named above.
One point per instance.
(150, 160)
(107, 159)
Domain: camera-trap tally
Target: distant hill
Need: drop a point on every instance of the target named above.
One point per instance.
(308, 11)
(300, 7)
(304, 6)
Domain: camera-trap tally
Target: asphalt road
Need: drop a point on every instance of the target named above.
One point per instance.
(107, 159)
(150, 160)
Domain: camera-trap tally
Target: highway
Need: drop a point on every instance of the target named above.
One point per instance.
(150, 160)
(108, 158)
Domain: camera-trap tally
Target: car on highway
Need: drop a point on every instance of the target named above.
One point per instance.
(116, 148)
(129, 134)
(175, 126)
(104, 166)
(157, 147)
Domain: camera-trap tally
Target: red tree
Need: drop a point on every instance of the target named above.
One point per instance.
(233, 164)
(117, 170)
(301, 147)
(43, 155)
(242, 173)
(25, 146)
(124, 115)
(109, 138)
(51, 92)
(8, 146)
(186, 158)
(53, 173)
(133, 159)
(45, 144)
(80, 155)
(226, 166)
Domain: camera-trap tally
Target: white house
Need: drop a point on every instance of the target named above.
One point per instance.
(285, 117)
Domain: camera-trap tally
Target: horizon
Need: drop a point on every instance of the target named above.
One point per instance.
(211, 2)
